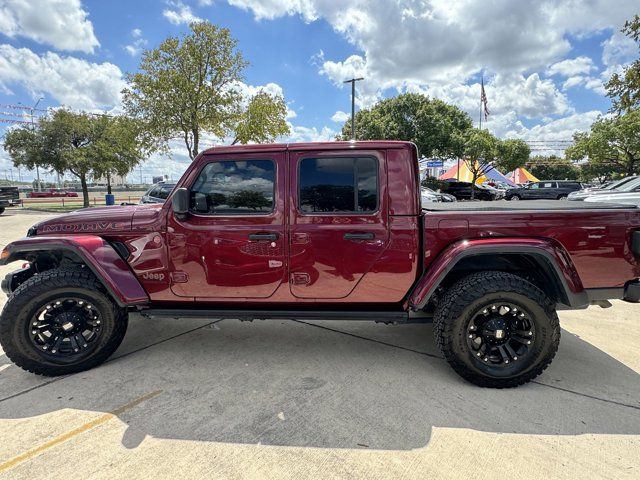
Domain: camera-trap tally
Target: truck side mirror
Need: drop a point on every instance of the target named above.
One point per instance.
(180, 203)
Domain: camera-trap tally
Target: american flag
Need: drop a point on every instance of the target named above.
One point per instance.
(483, 100)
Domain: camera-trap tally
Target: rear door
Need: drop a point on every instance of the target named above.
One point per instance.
(232, 245)
(338, 220)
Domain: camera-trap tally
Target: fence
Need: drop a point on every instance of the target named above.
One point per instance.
(62, 202)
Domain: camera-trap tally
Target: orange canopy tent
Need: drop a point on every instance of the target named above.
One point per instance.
(464, 175)
(521, 176)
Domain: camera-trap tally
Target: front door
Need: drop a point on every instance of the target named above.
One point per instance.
(233, 242)
(338, 220)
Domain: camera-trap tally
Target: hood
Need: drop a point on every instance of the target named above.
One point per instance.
(100, 220)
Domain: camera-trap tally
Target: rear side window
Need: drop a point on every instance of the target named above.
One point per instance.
(164, 191)
(338, 185)
(548, 185)
(234, 187)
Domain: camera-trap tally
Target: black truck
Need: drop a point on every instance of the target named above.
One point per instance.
(9, 197)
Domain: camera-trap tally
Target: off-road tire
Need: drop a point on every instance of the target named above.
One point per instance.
(24, 302)
(456, 309)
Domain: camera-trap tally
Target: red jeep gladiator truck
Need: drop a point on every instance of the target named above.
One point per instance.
(324, 231)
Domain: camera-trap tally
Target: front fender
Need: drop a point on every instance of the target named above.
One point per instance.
(96, 253)
(552, 252)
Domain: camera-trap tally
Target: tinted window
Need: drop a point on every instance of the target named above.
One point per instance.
(164, 191)
(339, 184)
(153, 192)
(234, 187)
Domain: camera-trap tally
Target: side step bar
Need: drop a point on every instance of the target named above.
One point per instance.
(248, 315)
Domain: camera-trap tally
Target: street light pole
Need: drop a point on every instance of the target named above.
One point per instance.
(353, 104)
(33, 109)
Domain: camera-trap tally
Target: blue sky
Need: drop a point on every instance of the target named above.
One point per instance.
(544, 62)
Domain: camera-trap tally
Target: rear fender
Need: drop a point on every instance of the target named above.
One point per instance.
(555, 256)
(94, 252)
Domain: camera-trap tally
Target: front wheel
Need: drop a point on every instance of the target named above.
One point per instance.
(59, 322)
(514, 197)
(2, 210)
(497, 329)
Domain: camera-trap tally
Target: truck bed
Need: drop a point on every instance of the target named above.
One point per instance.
(529, 205)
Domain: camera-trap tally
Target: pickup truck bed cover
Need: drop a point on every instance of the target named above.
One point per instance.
(528, 205)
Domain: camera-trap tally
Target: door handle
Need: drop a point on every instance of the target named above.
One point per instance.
(359, 236)
(271, 237)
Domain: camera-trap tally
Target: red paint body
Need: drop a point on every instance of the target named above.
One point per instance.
(209, 260)
(51, 193)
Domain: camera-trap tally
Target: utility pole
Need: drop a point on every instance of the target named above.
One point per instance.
(33, 109)
(353, 104)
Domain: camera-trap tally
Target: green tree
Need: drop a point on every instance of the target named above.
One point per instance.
(612, 143)
(624, 88)
(553, 167)
(512, 153)
(190, 85)
(262, 120)
(79, 143)
(480, 150)
(249, 199)
(433, 125)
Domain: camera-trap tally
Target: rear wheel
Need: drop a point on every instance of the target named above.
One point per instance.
(514, 197)
(496, 329)
(562, 197)
(2, 210)
(60, 322)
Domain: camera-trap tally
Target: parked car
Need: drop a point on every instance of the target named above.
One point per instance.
(627, 193)
(319, 231)
(626, 198)
(158, 193)
(9, 197)
(547, 190)
(428, 195)
(51, 193)
(609, 188)
(462, 191)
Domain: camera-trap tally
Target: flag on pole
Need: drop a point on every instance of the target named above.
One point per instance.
(483, 100)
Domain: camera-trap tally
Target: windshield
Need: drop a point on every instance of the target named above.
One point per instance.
(618, 183)
(629, 186)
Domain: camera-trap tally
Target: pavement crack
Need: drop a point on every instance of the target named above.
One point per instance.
(586, 395)
(112, 359)
(431, 355)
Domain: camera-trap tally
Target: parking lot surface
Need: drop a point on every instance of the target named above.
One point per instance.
(297, 399)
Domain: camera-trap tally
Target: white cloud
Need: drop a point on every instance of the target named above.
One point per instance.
(440, 47)
(340, 117)
(137, 45)
(62, 24)
(572, 67)
(179, 13)
(310, 134)
(71, 81)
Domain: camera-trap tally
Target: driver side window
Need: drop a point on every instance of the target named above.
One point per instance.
(243, 187)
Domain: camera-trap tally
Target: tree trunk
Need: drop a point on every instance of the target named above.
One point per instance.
(196, 142)
(85, 190)
(473, 186)
(109, 183)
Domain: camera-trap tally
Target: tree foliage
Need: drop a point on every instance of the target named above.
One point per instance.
(433, 125)
(512, 153)
(612, 143)
(79, 143)
(480, 150)
(553, 168)
(263, 119)
(190, 85)
(624, 88)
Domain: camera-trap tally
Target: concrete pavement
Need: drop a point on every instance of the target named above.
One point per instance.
(294, 399)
